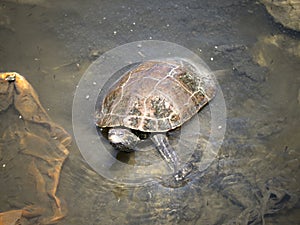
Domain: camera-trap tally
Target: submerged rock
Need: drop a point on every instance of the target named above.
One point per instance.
(286, 12)
(33, 150)
(267, 46)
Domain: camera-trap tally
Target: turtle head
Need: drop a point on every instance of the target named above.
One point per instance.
(123, 139)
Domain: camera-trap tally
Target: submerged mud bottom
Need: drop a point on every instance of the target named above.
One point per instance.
(33, 151)
(201, 200)
(51, 41)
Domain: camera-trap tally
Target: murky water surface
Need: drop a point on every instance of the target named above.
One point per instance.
(51, 43)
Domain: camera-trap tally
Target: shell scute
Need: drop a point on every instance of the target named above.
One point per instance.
(156, 96)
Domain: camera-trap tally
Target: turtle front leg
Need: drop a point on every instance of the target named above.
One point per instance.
(166, 150)
(168, 153)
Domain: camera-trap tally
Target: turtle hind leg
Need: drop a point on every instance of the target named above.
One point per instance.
(166, 150)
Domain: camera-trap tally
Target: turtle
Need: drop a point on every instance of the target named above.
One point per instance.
(155, 96)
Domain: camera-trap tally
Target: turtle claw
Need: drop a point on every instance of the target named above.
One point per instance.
(184, 172)
(180, 178)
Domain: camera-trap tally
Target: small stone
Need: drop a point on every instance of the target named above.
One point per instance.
(141, 54)
(94, 54)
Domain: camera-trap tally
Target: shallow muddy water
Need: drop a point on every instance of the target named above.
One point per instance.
(52, 43)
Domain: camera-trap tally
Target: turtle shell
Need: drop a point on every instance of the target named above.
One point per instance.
(156, 96)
